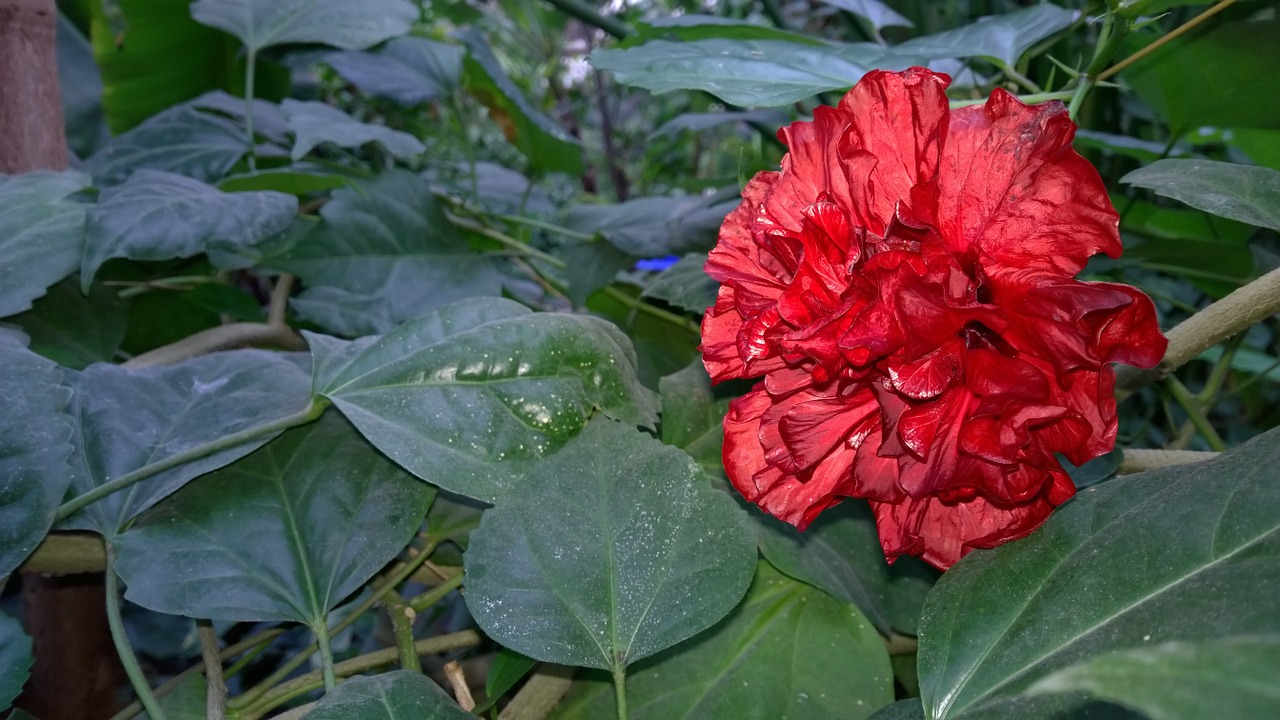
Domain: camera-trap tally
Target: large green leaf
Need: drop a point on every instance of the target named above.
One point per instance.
(34, 447)
(654, 226)
(158, 215)
(1231, 677)
(41, 234)
(314, 123)
(398, 695)
(685, 285)
(787, 651)
(875, 12)
(181, 140)
(128, 418)
(15, 659)
(385, 252)
(81, 89)
(465, 396)
(612, 550)
(285, 533)
(693, 417)
(1206, 538)
(547, 146)
(692, 26)
(407, 70)
(348, 25)
(1246, 193)
(1002, 38)
(73, 329)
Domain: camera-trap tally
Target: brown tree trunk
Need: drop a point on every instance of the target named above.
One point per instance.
(76, 673)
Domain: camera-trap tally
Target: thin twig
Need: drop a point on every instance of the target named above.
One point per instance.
(1193, 22)
(1139, 459)
(130, 661)
(279, 300)
(223, 337)
(216, 688)
(539, 694)
(1195, 413)
(589, 15)
(458, 681)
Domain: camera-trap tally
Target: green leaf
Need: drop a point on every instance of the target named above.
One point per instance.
(35, 443)
(1246, 193)
(685, 285)
(158, 215)
(839, 554)
(508, 668)
(1208, 539)
(186, 701)
(314, 123)
(909, 709)
(697, 122)
(1210, 76)
(654, 226)
(874, 11)
(128, 418)
(692, 417)
(180, 140)
(41, 234)
(591, 265)
(787, 651)
(1002, 38)
(73, 329)
(407, 70)
(465, 396)
(285, 533)
(15, 659)
(547, 146)
(81, 89)
(384, 252)
(1141, 150)
(351, 26)
(692, 26)
(397, 695)
(612, 550)
(287, 180)
(1218, 678)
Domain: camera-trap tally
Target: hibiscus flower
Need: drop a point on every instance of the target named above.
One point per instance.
(906, 287)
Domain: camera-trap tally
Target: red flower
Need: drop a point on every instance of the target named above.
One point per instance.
(906, 287)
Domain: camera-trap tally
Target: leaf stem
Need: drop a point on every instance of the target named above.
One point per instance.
(436, 594)
(321, 630)
(620, 690)
(589, 15)
(1140, 459)
(250, 75)
(312, 411)
(652, 310)
(544, 225)
(504, 239)
(402, 617)
(1188, 25)
(216, 687)
(130, 661)
(1195, 413)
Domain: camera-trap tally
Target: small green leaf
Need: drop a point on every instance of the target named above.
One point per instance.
(465, 396)
(1002, 38)
(692, 417)
(692, 26)
(875, 12)
(654, 226)
(397, 695)
(1208, 536)
(788, 651)
(351, 26)
(612, 550)
(287, 180)
(407, 70)
(1246, 193)
(127, 418)
(41, 234)
(285, 533)
(180, 140)
(538, 137)
(314, 123)
(35, 435)
(1231, 677)
(158, 215)
(509, 667)
(685, 285)
(15, 659)
(909, 709)
(73, 329)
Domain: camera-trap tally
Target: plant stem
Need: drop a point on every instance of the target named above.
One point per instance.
(1196, 414)
(312, 411)
(620, 690)
(216, 692)
(589, 15)
(506, 240)
(402, 617)
(250, 75)
(1223, 5)
(127, 658)
(1028, 99)
(652, 310)
(321, 629)
(544, 225)
(1022, 80)
(1138, 459)
(436, 594)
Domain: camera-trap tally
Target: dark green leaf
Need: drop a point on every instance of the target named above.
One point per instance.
(73, 329)
(1002, 38)
(909, 709)
(181, 140)
(398, 695)
(612, 550)
(591, 265)
(351, 26)
(1141, 150)
(910, 581)
(384, 253)
(692, 26)
(697, 122)
(285, 533)
(158, 215)
(268, 119)
(41, 234)
(186, 701)
(314, 123)
(654, 226)
(500, 189)
(537, 136)
(34, 447)
(407, 70)
(787, 651)
(464, 396)
(692, 417)
(685, 285)
(1246, 193)
(15, 659)
(453, 517)
(288, 180)
(509, 667)
(81, 88)
(1262, 146)
(839, 554)
(128, 418)
(1208, 540)
(874, 11)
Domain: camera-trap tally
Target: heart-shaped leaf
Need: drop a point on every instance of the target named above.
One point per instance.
(692, 416)
(283, 534)
(1208, 536)
(157, 215)
(41, 234)
(407, 70)
(398, 695)
(465, 396)
(15, 659)
(612, 550)
(1246, 193)
(35, 435)
(340, 23)
(180, 140)
(313, 123)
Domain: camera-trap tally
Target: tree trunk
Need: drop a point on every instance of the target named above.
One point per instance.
(32, 133)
